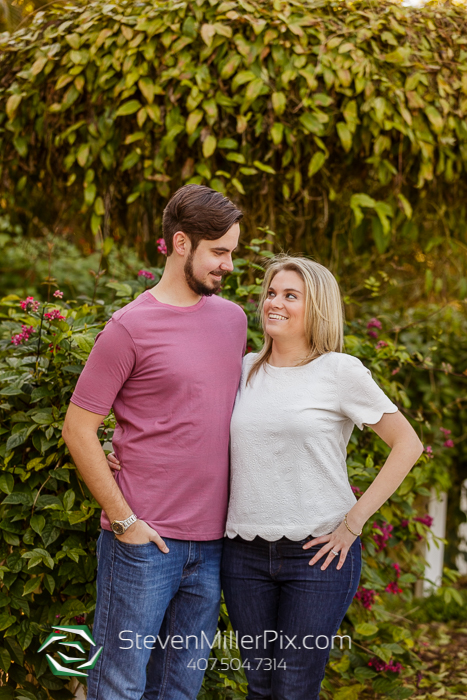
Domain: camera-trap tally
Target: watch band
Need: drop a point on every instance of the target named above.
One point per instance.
(122, 525)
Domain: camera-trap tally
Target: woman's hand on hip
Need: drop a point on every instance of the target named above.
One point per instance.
(338, 541)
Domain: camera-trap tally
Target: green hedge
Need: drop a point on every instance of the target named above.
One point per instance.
(341, 125)
(49, 521)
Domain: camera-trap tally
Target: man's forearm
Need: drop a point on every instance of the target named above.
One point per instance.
(91, 463)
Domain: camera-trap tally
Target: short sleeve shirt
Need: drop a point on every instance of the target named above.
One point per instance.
(289, 433)
(171, 375)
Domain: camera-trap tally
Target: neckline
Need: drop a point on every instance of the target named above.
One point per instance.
(179, 309)
(273, 367)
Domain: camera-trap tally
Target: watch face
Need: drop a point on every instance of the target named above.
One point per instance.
(118, 528)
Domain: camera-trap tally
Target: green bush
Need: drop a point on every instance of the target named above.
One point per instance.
(49, 521)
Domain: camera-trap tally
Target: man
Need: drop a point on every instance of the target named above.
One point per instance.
(169, 364)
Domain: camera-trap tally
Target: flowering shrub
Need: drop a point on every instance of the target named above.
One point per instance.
(49, 521)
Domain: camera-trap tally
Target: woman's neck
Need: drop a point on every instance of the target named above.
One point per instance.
(287, 355)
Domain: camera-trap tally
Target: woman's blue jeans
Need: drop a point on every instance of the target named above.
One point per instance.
(156, 618)
(286, 612)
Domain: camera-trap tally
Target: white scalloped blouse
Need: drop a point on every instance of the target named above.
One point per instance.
(288, 445)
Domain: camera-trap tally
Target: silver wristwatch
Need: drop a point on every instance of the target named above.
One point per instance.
(120, 526)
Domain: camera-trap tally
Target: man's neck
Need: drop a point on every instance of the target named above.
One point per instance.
(173, 289)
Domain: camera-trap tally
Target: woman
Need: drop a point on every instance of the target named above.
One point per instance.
(292, 555)
(292, 552)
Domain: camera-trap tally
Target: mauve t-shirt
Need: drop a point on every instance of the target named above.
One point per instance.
(170, 374)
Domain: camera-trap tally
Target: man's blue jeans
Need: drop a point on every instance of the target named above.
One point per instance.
(286, 612)
(144, 600)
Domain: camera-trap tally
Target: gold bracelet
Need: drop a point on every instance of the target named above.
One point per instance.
(355, 534)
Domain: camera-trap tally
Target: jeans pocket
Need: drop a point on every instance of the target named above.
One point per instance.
(136, 545)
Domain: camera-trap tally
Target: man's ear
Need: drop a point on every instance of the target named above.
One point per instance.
(181, 243)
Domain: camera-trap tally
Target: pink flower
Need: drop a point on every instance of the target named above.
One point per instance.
(356, 490)
(145, 273)
(80, 619)
(425, 520)
(404, 523)
(161, 246)
(445, 431)
(366, 596)
(54, 315)
(374, 323)
(429, 450)
(383, 536)
(22, 337)
(372, 334)
(395, 371)
(58, 294)
(448, 443)
(30, 304)
(393, 588)
(381, 344)
(379, 665)
(397, 569)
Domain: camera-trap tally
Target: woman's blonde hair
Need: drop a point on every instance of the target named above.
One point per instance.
(324, 314)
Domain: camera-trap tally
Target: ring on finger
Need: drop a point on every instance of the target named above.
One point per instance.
(336, 554)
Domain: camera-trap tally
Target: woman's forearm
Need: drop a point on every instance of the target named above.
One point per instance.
(400, 461)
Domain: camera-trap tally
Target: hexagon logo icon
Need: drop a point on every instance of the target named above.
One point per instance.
(72, 647)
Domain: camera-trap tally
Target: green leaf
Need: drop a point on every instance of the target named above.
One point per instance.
(436, 120)
(209, 146)
(264, 168)
(348, 692)
(31, 586)
(130, 160)
(279, 102)
(7, 482)
(128, 108)
(6, 620)
(277, 132)
(37, 523)
(193, 121)
(253, 90)
(12, 105)
(146, 85)
(366, 629)
(311, 123)
(227, 143)
(236, 158)
(5, 662)
(316, 163)
(345, 136)
(245, 76)
(238, 185)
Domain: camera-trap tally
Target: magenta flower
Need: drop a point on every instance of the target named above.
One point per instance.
(22, 337)
(395, 371)
(404, 523)
(381, 344)
(161, 246)
(30, 304)
(373, 334)
(356, 490)
(425, 520)
(379, 665)
(445, 431)
(54, 315)
(429, 451)
(448, 443)
(366, 596)
(58, 294)
(374, 323)
(145, 273)
(384, 534)
(397, 569)
(393, 588)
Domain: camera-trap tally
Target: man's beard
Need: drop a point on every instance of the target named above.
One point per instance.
(195, 284)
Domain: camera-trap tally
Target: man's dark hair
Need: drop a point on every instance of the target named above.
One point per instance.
(201, 213)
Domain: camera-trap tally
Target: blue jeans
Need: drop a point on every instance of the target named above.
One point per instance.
(285, 612)
(144, 600)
